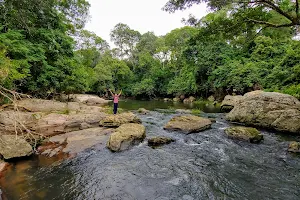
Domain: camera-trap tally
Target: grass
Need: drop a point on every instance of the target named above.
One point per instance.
(196, 111)
(64, 112)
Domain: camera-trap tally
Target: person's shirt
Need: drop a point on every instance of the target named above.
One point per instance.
(116, 98)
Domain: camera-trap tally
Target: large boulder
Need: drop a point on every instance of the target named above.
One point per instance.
(251, 135)
(119, 119)
(14, 147)
(230, 101)
(125, 136)
(158, 141)
(188, 124)
(269, 110)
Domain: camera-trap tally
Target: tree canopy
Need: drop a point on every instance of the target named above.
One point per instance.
(238, 47)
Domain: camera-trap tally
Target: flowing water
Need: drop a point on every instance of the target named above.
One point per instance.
(204, 165)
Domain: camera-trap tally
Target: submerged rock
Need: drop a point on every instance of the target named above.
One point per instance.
(158, 141)
(3, 166)
(14, 147)
(183, 111)
(143, 111)
(230, 101)
(294, 147)
(125, 136)
(244, 133)
(188, 124)
(176, 99)
(119, 119)
(191, 99)
(211, 98)
(269, 110)
(213, 120)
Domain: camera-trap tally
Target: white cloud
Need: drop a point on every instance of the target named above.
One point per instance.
(141, 15)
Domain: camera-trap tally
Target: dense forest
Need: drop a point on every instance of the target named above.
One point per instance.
(239, 46)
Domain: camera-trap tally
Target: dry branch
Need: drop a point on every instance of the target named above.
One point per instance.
(19, 127)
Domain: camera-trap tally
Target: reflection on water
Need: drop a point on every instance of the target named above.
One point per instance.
(204, 165)
(205, 106)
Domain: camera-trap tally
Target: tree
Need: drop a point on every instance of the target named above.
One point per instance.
(34, 37)
(287, 9)
(111, 73)
(90, 47)
(125, 39)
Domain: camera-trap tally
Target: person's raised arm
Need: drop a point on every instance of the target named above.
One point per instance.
(112, 94)
(120, 93)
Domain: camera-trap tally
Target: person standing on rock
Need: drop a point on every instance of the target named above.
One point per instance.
(116, 100)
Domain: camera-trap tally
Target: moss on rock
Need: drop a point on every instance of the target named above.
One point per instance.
(251, 135)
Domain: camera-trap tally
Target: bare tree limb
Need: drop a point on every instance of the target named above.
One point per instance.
(271, 24)
(297, 8)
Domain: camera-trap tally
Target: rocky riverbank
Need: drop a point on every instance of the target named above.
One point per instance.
(52, 128)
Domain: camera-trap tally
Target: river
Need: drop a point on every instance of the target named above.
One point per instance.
(204, 165)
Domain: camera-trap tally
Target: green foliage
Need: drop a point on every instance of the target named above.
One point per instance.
(124, 38)
(235, 48)
(292, 90)
(196, 112)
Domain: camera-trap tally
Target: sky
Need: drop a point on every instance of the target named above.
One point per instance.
(140, 15)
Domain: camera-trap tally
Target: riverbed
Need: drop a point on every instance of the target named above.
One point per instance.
(204, 165)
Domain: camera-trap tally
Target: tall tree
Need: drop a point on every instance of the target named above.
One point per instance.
(125, 39)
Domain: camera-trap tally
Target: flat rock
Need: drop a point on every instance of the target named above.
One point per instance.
(158, 141)
(188, 124)
(78, 141)
(54, 123)
(125, 136)
(251, 135)
(119, 119)
(86, 99)
(14, 147)
(294, 147)
(40, 105)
